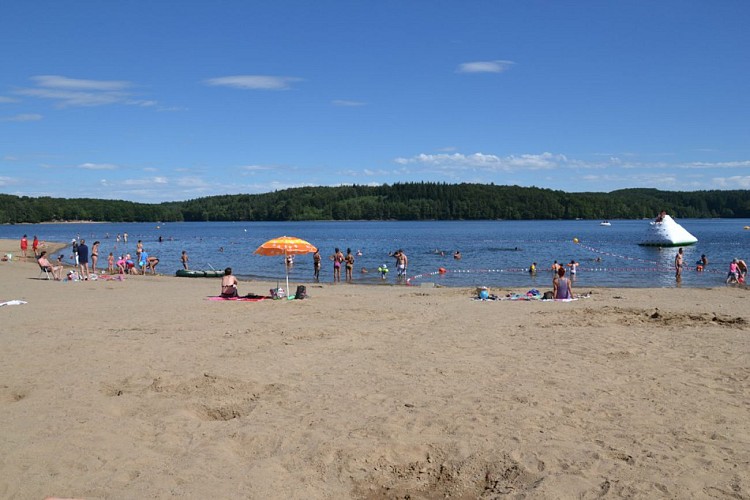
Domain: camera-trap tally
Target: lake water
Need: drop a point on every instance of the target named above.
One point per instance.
(494, 253)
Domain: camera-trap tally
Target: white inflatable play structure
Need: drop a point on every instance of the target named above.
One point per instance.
(665, 232)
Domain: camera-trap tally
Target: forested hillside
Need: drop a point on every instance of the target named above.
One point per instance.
(408, 201)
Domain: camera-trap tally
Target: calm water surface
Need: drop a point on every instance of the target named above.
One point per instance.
(494, 253)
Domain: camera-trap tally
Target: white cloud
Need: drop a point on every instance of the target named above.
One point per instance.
(192, 182)
(734, 182)
(720, 164)
(61, 82)
(7, 100)
(7, 181)
(68, 92)
(256, 168)
(253, 82)
(145, 182)
(25, 117)
(487, 162)
(346, 103)
(497, 66)
(97, 166)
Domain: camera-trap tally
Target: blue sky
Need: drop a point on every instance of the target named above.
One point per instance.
(166, 100)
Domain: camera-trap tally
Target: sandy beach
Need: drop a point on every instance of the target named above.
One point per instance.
(143, 388)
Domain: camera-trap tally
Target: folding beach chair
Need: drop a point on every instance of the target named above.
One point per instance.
(43, 271)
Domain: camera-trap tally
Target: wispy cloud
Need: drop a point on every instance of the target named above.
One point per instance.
(347, 103)
(70, 92)
(487, 162)
(25, 117)
(7, 100)
(98, 166)
(253, 82)
(7, 181)
(62, 82)
(256, 168)
(151, 181)
(733, 182)
(497, 66)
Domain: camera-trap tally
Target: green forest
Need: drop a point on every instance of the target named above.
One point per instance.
(403, 201)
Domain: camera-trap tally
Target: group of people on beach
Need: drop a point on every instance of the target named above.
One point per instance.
(85, 261)
(347, 260)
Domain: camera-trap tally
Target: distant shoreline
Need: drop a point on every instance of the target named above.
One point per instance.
(56, 222)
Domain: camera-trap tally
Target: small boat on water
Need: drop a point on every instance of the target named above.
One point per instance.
(605, 223)
(665, 232)
(197, 273)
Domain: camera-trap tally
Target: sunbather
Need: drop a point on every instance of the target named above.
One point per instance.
(47, 266)
(229, 284)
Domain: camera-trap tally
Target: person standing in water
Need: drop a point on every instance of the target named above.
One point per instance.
(316, 265)
(678, 262)
(338, 259)
(349, 259)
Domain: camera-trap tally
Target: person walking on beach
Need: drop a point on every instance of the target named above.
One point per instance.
(316, 265)
(35, 247)
(24, 246)
(83, 259)
(111, 263)
(349, 265)
(184, 259)
(678, 262)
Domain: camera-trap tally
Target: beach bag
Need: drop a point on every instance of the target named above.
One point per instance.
(548, 296)
(301, 292)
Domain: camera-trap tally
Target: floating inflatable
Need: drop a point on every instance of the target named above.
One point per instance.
(184, 273)
(196, 273)
(665, 232)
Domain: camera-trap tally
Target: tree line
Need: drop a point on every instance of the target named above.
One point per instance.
(402, 201)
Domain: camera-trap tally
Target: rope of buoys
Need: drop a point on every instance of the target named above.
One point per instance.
(637, 259)
(610, 254)
(443, 271)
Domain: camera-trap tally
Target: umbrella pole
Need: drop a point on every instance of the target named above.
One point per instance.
(286, 271)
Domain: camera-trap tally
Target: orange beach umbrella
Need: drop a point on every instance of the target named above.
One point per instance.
(285, 245)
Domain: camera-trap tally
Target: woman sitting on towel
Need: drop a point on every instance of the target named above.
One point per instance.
(561, 286)
(229, 284)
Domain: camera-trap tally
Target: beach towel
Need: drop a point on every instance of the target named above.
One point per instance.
(111, 277)
(246, 298)
(13, 303)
